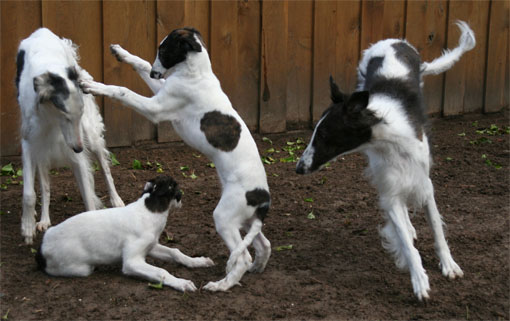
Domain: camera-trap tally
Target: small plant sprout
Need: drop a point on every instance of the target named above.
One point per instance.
(33, 251)
(211, 165)
(159, 168)
(197, 155)
(283, 248)
(449, 159)
(95, 166)
(114, 160)
(310, 216)
(184, 168)
(267, 140)
(157, 286)
(488, 162)
(309, 200)
(137, 164)
(6, 315)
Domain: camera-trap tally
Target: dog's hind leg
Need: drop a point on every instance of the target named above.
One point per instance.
(174, 255)
(262, 253)
(419, 279)
(85, 183)
(44, 179)
(115, 199)
(448, 266)
(29, 196)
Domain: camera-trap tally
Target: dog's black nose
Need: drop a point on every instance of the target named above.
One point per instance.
(78, 150)
(300, 169)
(155, 74)
(178, 196)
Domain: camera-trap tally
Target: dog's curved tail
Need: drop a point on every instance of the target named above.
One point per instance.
(255, 229)
(441, 64)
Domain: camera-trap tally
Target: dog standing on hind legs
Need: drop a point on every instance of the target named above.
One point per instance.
(188, 94)
(385, 119)
(60, 125)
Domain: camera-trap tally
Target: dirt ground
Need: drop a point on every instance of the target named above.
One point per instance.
(327, 260)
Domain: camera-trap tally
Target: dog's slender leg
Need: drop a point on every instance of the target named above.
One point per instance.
(174, 255)
(44, 179)
(29, 196)
(419, 278)
(115, 199)
(138, 267)
(262, 253)
(82, 174)
(142, 67)
(448, 266)
(410, 226)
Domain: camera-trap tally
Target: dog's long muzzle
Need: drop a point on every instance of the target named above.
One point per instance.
(156, 74)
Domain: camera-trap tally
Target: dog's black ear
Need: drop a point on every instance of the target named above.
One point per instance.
(358, 101)
(149, 187)
(336, 95)
(357, 112)
(51, 87)
(42, 87)
(189, 43)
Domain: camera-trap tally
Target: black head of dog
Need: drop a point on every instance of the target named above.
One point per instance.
(174, 49)
(164, 194)
(343, 127)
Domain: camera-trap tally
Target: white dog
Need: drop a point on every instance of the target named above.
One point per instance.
(125, 234)
(58, 122)
(188, 94)
(385, 119)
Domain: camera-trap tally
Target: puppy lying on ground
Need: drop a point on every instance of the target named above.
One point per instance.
(127, 235)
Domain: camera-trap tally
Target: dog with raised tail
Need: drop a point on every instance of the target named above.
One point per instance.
(386, 120)
(60, 125)
(188, 94)
(120, 235)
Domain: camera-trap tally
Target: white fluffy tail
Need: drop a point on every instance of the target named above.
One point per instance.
(441, 64)
(255, 229)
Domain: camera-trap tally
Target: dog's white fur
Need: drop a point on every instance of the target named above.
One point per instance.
(399, 162)
(117, 235)
(189, 91)
(48, 135)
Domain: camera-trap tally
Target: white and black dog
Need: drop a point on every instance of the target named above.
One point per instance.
(124, 234)
(58, 122)
(188, 94)
(385, 119)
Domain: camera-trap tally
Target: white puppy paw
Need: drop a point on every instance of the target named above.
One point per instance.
(202, 262)
(118, 52)
(92, 87)
(450, 269)
(183, 285)
(221, 285)
(421, 285)
(43, 225)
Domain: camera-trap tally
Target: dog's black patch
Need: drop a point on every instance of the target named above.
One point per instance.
(40, 259)
(162, 189)
(176, 46)
(260, 199)
(408, 55)
(72, 74)
(222, 131)
(59, 91)
(20, 63)
(373, 65)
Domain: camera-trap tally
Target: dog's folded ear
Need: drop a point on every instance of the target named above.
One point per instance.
(358, 101)
(51, 87)
(149, 187)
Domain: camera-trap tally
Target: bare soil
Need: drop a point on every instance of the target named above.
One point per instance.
(336, 267)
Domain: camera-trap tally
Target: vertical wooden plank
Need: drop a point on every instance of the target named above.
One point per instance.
(132, 24)
(347, 44)
(13, 30)
(80, 22)
(273, 66)
(380, 20)
(299, 58)
(426, 31)
(324, 50)
(497, 58)
(224, 44)
(246, 96)
(464, 83)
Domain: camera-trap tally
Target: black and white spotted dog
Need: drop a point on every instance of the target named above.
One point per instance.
(385, 119)
(60, 125)
(188, 94)
(119, 235)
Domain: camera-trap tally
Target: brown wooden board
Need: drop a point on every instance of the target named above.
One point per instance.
(464, 83)
(131, 24)
(13, 30)
(381, 19)
(426, 30)
(324, 50)
(299, 59)
(79, 21)
(496, 90)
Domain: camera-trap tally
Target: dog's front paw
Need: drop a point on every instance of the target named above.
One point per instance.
(202, 262)
(117, 201)
(221, 285)
(118, 52)
(43, 225)
(92, 87)
(184, 285)
(450, 269)
(421, 285)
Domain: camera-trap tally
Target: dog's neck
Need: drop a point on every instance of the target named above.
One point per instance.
(196, 64)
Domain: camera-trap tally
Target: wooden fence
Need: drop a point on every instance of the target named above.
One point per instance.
(273, 58)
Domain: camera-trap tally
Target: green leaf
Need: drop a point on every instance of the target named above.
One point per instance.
(184, 168)
(211, 165)
(197, 155)
(310, 216)
(193, 176)
(95, 166)
(158, 286)
(114, 160)
(309, 200)
(267, 140)
(270, 150)
(461, 134)
(3, 186)
(33, 251)
(6, 315)
(283, 248)
(19, 172)
(159, 170)
(7, 169)
(137, 164)
(449, 159)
